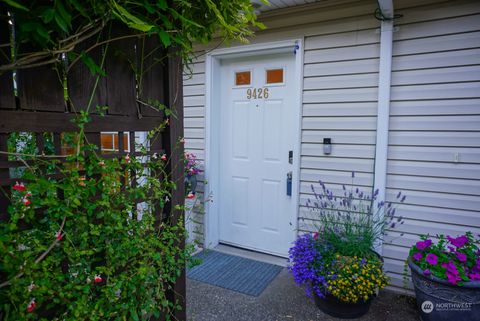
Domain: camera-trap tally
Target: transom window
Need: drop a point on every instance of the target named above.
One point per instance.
(274, 76)
(243, 78)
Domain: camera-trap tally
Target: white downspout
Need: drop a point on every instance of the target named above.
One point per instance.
(383, 110)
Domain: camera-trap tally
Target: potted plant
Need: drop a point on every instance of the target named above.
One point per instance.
(446, 277)
(337, 263)
(191, 171)
(192, 203)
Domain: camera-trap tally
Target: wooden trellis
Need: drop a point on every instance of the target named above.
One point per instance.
(37, 103)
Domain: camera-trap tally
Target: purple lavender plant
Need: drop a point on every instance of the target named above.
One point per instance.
(353, 221)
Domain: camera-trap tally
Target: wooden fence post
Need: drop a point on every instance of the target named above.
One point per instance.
(174, 148)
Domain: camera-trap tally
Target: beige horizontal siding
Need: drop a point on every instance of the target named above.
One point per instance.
(435, 115)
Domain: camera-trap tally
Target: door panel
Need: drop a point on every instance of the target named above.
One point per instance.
(257, 131)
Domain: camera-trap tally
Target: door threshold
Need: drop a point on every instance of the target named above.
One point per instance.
(253, 255)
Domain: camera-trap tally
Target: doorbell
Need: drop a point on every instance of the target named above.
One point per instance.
(327, 146)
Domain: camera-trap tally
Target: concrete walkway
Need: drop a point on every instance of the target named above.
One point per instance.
(282, 300)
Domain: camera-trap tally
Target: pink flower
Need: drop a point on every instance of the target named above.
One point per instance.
(31, 306)
(59, 236)
(127, 158)
(182, 140)
(474, 276)
(431, 259)
(315, 235)
(417, 256)
(97, 279)
(461, 257)
(190, 195)
(163, 157)
(459, 241)
(19, 187)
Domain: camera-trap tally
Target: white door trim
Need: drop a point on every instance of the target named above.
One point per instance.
(212, 103)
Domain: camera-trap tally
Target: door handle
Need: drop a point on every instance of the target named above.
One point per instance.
(289, 183)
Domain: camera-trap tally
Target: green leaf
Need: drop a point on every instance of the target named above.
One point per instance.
(134, 314)
(79, 7)
(131, 20)
(91, 65)
(61, 23)
(43, 32)
(141, 27)
(15, 5)
(63, 12)
(149, 8)
(47, 15)
(165, 37)
(162, 4)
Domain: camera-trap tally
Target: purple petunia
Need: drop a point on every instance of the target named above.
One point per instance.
(458, 241)
(474, 276)
(421, 245)
(428, 243)
(427, 272)
(461, 257)
(417, 256)
(431, 259)
(453, 278)
(450, 267)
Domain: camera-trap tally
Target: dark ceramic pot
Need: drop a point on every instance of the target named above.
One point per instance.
(336, 308)
(438, 300)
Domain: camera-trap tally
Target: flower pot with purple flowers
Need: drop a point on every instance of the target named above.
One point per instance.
(336, 264)
(446, 277)
(192, 169)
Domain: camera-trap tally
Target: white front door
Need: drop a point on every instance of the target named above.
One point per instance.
(258, 127)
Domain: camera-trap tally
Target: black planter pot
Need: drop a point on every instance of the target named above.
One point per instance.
(336, 308)
(438, 300)
(190, 184)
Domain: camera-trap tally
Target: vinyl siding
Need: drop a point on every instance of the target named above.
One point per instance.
(194, 123)
(435, 114)
(339, 102)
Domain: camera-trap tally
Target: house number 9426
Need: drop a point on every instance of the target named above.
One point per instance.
(257, 93)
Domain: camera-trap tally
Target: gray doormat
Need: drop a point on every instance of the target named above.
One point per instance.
(233, 272)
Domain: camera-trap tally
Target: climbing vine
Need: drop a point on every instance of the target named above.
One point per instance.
(85, 238)
(83, 241)
(57, 28)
